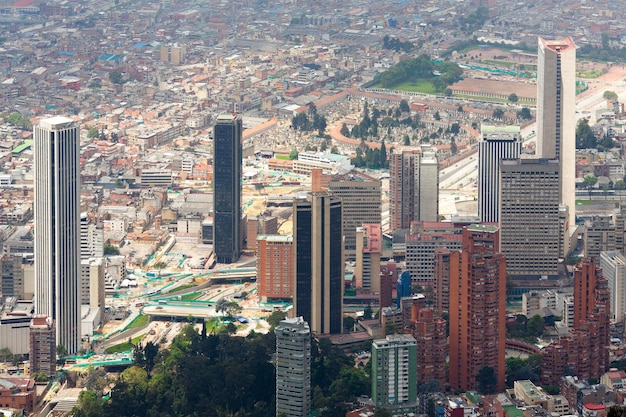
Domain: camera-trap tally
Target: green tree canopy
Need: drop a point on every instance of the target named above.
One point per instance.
(585, 138)
(513, 98)
(609, 95)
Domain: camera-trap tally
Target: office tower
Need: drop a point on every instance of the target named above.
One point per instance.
(478, 309)
(368, 251)
(361, 196)
(388, 276)
(556, 112)
(227, 188)
(92, 282)
(584, 352)
(12, 276)
(319, 265)
(420, 251)
(57, 227)
(495, 144)
(293, 368)
(600, 234)
(529, 217)
(43, 353)
(413, 188)
(274, 265)
(432, 345)
(403, 288)
(394, 373)
(445, 262)
(613, 264)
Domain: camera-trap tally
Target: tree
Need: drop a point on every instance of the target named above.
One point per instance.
(498, 113)
(116, 77)
(609, 95)
(348, 323)
(513, 98)
(407, 140)
(455, 128)
(367, 313)
(110, 250)
(448, 92)
(293, 154)
(382, 412)
(589, 182)
(404, 106)
(487, 380)
(535, 325)
(585, 138)
(524, 113)
(382, 156)
(436, 116)
(6, 355)
(159, 266)
(61, 351)
(93, 132)
(344, 130)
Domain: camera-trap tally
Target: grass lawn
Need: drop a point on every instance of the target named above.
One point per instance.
(421, 86)
(139, 321)
(190, 297)
(283, 157)
(499, 63)
(588, 73)
(182, 288)
(123, 347)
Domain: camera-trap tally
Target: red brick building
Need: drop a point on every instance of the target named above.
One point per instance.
(432, 345)
(18, 393)
(585, 351)
(478, 309)
(275, 268)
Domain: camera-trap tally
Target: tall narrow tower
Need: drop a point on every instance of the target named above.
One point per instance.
(556, 112)
(495, 144)
(478, 309)
(318, 251)
(227, 188)
(293, 368)
(57, 227)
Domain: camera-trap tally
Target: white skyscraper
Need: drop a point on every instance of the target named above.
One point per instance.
(613, 265)
(495, 144)
(57, 226)
(293, 368)
(556, 112)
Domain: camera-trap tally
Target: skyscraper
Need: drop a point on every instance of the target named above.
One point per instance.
(478, 309)
(413, 188)
(57, 226)
(293, 368)
(42, 353)
(394, 373)
(227, 188)
(613, 264)
(495, 144)
(556, 112)
(530, 232)
(319, 265)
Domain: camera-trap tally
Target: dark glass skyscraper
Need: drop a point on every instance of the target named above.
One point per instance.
(227, 188)
(318, 251)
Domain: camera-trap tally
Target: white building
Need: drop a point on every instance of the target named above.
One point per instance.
(613, 265)
(57, 226)
(293, 368)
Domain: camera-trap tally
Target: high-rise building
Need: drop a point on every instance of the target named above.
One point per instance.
(584, 352)
(403, 287)
(446, 260)
(556, 113)
(394, 373)
(227, 188)
(319, 265)
(274, 265)
(478, 309)
(420, 252)
(495, 144)
(293, 368)
(92, 272)
(413, 188)
(57, 226)
(361, 196)
(12, 276)
(432, 345)
(91, 238)
(530, 233)
(369, 249)
(388, 276)
(613, 264)
(43, 345)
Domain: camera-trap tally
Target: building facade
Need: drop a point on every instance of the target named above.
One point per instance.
(57, 226)
(274, 257)
(362, 198)
(319, 265)
(43, 353)
(530, 234)
(394, 373)
(613, 264)
(227, 188)
(478, 309)
(368, 253)
(293, 368)
(495, 144)
(413, 188)
(556, 111)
